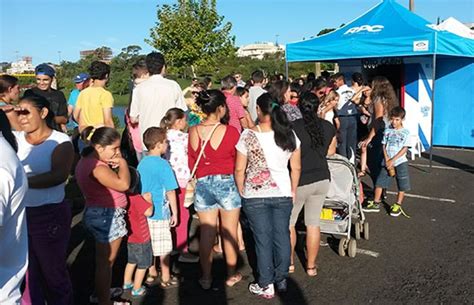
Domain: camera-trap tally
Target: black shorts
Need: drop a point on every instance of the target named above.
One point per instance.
(140, 254)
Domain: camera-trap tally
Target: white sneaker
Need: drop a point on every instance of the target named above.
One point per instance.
(266, 292)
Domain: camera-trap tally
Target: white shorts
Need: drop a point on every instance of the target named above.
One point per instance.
(160, 233)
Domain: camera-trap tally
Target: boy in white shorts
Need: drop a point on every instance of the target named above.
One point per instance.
(157, 178)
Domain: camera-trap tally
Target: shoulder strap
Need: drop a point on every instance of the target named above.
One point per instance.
(202, 149)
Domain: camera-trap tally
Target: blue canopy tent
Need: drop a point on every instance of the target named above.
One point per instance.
(389, 30)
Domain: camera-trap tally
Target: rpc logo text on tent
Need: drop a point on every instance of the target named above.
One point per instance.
(364, 28)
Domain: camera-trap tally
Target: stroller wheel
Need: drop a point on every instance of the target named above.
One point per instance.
(366, 230)
(342, 246)
(352, 248)
(357, 229)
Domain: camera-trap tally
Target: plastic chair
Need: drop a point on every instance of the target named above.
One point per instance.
(415, 146)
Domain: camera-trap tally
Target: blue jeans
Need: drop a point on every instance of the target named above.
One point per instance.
(269, 220)
(216, 192)
(347, 136)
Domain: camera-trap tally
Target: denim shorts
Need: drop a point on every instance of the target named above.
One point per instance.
(403, 179)
(105, 224)
(140, 254)
(216, 192)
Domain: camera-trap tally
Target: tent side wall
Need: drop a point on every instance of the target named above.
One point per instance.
(454, 102)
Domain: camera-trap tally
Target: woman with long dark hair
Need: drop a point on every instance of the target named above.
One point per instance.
(47, 157)
(280, 91)
(268, 190)
(216, 193)
(384, 99)
(317, 141)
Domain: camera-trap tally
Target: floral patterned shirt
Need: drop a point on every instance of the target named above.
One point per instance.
(267, 172)
(177, 155)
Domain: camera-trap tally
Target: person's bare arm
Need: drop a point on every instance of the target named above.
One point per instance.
(239, 174)
(295, 165)
(119, 181)
(61, 163)
(174, 207)
(377, 124)
(332, 147)
(243, 123)
(108, 118)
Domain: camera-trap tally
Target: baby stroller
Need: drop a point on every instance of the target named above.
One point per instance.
(342, 206)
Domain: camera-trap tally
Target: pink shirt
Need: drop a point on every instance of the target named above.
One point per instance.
(236, 110)
(96, 194)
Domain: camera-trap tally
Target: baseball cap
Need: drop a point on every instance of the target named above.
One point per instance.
(81, 77)
(44, 69)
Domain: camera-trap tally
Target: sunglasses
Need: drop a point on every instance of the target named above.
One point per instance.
(22, 111)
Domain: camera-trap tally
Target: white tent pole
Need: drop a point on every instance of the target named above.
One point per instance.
(433, 100)
(286, 69)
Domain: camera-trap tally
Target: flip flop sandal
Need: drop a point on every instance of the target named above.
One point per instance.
(171, 283)
(139, 292)
(151, 279)
(291, 269)
(312, 271)
(127, 286)
(231, 281)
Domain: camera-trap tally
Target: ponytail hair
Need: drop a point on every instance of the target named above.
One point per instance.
(171, 116)
(102, 136)
(6, 130)
(308, 105)
(284, 135)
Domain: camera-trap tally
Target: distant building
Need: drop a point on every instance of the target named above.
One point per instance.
(22, 66)
(106, 54)
(258, 50)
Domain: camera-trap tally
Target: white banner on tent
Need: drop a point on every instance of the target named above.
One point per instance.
(418, 97)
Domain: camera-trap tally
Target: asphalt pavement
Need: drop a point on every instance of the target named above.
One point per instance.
(424, 259)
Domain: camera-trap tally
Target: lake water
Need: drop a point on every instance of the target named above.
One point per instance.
(119, 112)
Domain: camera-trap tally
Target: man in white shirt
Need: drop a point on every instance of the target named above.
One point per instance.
(152, 98)
(347, 113)
(254, 92)
(13, 233)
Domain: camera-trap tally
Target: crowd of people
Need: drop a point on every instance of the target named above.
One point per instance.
(253, 150)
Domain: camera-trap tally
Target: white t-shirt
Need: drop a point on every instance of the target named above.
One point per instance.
(36, 159)
(13, 233)
(268, 176)
(152, 98)
(254, 94)
(329, 116)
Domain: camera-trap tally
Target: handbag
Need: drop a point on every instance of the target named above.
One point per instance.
(191, 187)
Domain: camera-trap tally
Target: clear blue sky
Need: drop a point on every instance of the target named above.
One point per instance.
(41, 28)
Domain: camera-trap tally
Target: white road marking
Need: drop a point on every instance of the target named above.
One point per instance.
(424, 197)
(368, 252)
(444, 167)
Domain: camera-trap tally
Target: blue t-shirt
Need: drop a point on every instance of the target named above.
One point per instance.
(157, 177)
(72, 101)
(395, 140)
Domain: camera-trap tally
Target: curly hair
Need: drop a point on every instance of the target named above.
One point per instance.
(308, 105)
(382, 89)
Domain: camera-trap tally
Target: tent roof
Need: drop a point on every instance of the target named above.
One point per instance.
(456, 27)
(386, 30)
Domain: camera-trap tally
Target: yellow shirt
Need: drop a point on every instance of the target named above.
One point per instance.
(91, 101)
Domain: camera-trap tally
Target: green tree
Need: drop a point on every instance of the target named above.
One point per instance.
(192, 34)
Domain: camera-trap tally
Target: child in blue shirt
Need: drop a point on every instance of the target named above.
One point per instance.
(157, 178)
(395, 145)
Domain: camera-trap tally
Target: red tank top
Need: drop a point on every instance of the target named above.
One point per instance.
(220, 161)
